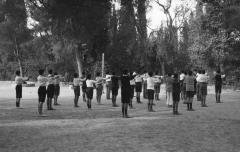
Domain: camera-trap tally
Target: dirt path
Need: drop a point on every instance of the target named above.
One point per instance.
(212, 129)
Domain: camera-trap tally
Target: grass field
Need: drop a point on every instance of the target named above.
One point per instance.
(67, 129)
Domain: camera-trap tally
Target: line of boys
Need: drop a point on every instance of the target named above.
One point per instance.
(186, 86)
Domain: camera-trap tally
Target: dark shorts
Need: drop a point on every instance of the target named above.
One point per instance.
(50, 91)
(218, 88)
(157, 88)
(150, 94)
(132, 91)
(56, 90)
(99, 89)
(115, 91)
(84, 88)
(138, 87)
(125, 95)
(203, 89)
(76, 90)
(89, 92)
(42, 94)
(190, 94)
(18, 91)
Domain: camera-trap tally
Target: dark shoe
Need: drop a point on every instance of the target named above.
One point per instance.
(52, 109)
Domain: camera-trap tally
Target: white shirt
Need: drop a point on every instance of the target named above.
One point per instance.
(132, 82)
(202, 78)
(50, 79)
(19, 80)
(99, 80)
(150, 83)
(42, 81)
(90, 83)
(138, 78)
(157, 79)
(108, 77)
(182, 76)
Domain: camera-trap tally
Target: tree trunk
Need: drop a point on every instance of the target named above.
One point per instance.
(20, 67)
(79, 62)
(163, 68)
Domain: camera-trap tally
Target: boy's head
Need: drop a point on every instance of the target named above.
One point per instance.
(83, 73)
(98, 74)
(113, 73)
(89, 76)
(125, 71)
(190, 73)
(218, 71)
(55, 73)
(50, 71)
(156, 73)
(150, 74)
(17, 73)
(169, 74)
(41, 72)
(203, 71)
(75, 75)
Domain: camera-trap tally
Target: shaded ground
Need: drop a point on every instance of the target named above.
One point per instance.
(212, 129)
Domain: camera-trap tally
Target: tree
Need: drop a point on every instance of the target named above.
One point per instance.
(13, 30)
(80, 26)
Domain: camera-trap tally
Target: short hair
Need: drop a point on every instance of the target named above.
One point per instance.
(17, 73)
(41, 72)
(98, 74)
(50, 71)
(55, 73)
(156, 72)
(218, 71)
(75, 75)
(113, 73)
(203, 71)
(83, 73)
(89, 76)
(107, 72)
(150, 74)
(169, 74)
(125, 71)
(190, 72)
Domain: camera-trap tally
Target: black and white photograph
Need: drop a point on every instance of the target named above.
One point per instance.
(119, 75)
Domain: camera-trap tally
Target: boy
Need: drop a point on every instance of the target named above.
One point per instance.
(190, 80)
(157, 85)
(203, 80)
(218, 85)
(132, 84)
(150, 90)
(42, 91)
(57, 79)
(19, 81)
(84, 86)
(125, 93)
(76, 88)
(99, 87)
(138, 82)
(114, 88)
(169, 82)
(108, 85)
(90, 83)
(176, 94)
(50, 89)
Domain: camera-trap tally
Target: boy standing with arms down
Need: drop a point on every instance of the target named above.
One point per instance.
(176, 94)
(19, 81)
